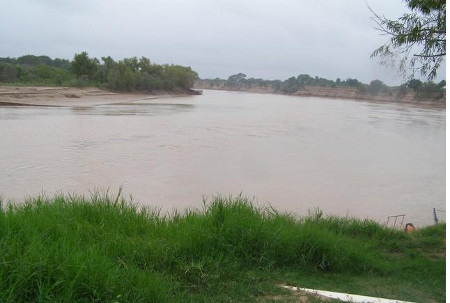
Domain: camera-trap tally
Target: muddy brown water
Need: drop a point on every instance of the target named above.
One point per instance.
(345, 157)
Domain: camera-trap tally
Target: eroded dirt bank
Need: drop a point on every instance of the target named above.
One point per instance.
(336, 92)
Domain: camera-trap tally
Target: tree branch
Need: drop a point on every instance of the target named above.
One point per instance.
(430, 56)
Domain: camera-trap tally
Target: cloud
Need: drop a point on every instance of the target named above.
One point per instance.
(269, 39)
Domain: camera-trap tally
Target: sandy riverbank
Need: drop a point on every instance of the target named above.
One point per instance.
(70, 96)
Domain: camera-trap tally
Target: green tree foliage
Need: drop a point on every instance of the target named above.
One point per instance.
(422, 91)
(418, 38)
(429, 90)
(426, 90)
(133, 74)
(377, 86)
(351, 82)
(128, 79)
(414, 84)
(304, 80)
(129, 74)
(83, 65)
(31, 69)
(31, 60)
(290, 86)
(27, 74)
(236, 80)
(8, 72)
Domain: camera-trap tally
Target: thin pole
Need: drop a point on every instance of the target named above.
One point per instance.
(435, 216)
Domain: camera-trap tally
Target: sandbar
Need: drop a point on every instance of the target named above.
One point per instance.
(71, 96)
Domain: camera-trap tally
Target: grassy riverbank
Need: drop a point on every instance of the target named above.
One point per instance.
(71, 249)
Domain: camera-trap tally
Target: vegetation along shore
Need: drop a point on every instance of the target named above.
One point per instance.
(105, 249)
(413, 91)
(127, 75)
(141, 76)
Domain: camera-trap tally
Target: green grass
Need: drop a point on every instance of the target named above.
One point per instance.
(102, 249)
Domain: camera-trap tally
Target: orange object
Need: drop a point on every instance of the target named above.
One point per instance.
(409, 227)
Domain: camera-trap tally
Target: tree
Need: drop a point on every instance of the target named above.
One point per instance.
(237, 79)
(417, 38)
(351, 82)
(377, 86)
(144, 64)
(290, 86)
(414, 84)
(128, 79)
(133, 63)
(83, 65)
(8, 73)
(304, 79)
(429, 90)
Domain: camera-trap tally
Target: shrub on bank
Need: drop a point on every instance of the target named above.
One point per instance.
(72, 249)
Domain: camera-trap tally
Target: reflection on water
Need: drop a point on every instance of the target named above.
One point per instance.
(346, 157)
(135, 108)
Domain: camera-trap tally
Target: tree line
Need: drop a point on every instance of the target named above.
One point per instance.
(129, 74)
(294, 84)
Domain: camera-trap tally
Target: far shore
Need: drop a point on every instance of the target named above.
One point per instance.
(336, 93)
(72, 96)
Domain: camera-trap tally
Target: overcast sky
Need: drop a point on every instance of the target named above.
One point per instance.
(270, 39)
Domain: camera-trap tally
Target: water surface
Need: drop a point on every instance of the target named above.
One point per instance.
(346, 157)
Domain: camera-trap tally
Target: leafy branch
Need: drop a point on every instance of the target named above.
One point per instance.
(418, 39)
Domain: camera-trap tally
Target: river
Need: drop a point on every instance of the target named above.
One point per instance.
(350, 158)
